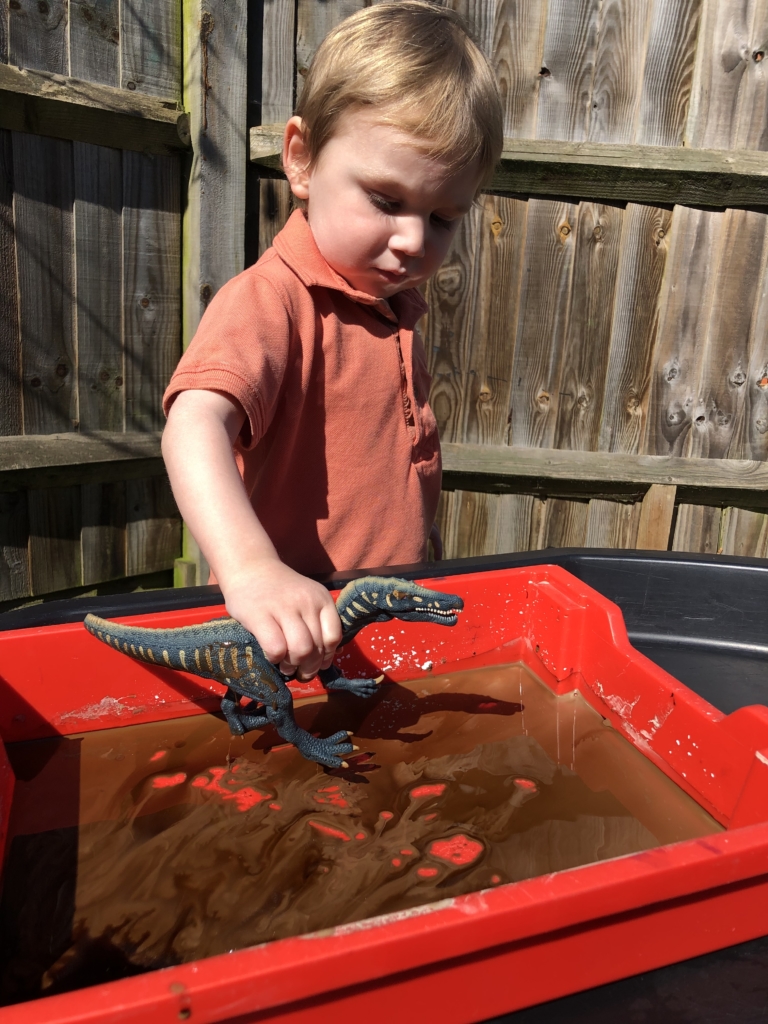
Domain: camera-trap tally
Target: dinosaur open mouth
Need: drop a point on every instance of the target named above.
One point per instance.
(440, 613)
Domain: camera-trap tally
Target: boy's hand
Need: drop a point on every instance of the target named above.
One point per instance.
(293, 618)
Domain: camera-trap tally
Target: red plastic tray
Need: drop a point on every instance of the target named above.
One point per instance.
(475, 956)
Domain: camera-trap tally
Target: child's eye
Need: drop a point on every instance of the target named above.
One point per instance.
(442, 222)
(387, 205)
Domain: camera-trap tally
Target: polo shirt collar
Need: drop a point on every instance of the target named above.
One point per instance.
(296, 246)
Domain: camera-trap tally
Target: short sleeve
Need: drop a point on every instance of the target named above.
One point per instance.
(241, 348)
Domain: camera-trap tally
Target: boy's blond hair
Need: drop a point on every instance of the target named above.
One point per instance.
(417, 63)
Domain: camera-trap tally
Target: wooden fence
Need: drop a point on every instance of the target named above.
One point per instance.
(597, 335)
(108, 140)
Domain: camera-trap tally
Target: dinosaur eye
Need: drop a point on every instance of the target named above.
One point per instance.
(399, 594)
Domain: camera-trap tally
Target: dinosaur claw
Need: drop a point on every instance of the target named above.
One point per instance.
(379, 679)
(344, 764)
(355, 747)
(349, 732)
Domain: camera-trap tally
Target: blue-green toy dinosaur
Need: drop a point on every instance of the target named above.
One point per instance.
(224, 650)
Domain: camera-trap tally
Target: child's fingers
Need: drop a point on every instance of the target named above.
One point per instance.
(271, 639)
(330, 626)
(303, 651)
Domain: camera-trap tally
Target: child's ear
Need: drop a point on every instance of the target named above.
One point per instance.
(296, 158)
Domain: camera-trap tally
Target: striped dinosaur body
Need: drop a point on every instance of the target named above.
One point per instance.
(224, 651)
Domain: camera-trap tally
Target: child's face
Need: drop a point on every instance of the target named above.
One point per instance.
(383, 213)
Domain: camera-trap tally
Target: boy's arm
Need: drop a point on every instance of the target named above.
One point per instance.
(293, 618)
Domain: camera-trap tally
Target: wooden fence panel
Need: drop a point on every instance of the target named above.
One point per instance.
(94, 41)
(547, 270)
(90, 335)
(585, 361)
(10, 341)
(518, 44)
(98, 259)
(43, 220)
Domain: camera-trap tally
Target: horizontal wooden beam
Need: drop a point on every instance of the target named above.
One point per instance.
(58, 460)
(604, 470)
(642, 174)
(68, 108)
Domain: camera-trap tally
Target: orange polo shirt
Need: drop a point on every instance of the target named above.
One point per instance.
(340, 454)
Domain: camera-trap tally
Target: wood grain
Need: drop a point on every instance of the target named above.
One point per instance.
(102, 535)
(153, 526)
(722, 60)
(642, 259)
(686, 303)
(718, 418)
(502, 462)
(669, 67)
(612, 524)
(277, 72)
(490, 353)
(514, 517)
(477, 524)
(151, 276)
(14, 540)
(43, 103)
(4, 30)
(752, 116)
(446, 521)
(43, 214)
(744, 533)
(274, 210)
(570, 46)
(585, 359)
(518, 42)
(37, 35)
(215, 94)
(618, 75)
(697, 529)
(656, 516)
(98, 261)
(542, 324)
(564, 524)
(94, 40)
(755, 439)
(313, 23)
(10, 341)
(54, 539)
(452, 295)
(150, 47)
(36, 451)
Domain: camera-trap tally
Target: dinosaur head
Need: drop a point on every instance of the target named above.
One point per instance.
(379, 599)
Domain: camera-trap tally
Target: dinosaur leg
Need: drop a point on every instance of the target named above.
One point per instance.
(332, 679)
(241, 719)
(329, 751)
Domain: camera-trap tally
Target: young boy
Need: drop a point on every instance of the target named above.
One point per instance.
(299, 435)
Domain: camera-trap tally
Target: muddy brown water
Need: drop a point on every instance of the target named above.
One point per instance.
(151, 845)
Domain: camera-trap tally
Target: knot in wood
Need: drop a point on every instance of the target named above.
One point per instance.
(598, 233)
(496, 225)
(485, 393)
(583, 400)
(737, 378)
(763, 383)
(543, 398)
(633, 404)
(62, 370)
(758, 55)
(43, 7)
(564, 230)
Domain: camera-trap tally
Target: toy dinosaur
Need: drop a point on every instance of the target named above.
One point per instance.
(224, 650)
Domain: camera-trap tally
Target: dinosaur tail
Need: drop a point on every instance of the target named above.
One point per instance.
(148, 645)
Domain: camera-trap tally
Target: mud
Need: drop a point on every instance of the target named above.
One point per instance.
(145, 846)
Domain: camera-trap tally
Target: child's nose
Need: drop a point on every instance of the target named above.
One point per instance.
(409, 236)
